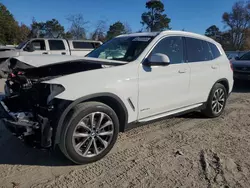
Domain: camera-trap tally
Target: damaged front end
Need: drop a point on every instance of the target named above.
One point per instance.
(28, 109)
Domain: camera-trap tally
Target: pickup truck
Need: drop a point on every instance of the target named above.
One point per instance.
(41, 46)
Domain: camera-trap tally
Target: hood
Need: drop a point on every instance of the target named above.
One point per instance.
(240, 63)
(8, 52)
(46, 60)
(47, 67)
(6, 48)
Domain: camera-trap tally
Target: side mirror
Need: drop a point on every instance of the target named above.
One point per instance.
(157, 59)
(29, 48)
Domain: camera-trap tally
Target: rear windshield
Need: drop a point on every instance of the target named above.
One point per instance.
(122, 48)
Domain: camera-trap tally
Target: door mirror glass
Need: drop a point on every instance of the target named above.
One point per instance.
(158, 59)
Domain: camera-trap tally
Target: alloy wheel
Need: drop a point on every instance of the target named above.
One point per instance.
(218, 101)
(93, 134)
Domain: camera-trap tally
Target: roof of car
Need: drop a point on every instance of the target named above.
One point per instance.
(66, 39)
(170, 32)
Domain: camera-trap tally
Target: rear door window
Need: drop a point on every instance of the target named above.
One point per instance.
(197, 50)
(172, 47)
(83, 45)
(56, 45)
(207, 51)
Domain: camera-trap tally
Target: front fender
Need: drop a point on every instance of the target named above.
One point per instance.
(69, 105)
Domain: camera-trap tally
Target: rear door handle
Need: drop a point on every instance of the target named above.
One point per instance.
(214, 67)
(182, 71)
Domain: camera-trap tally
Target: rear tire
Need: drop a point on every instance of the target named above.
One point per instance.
(216, 101)
(89, 133)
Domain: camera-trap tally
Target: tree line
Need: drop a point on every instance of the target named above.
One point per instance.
(237, 25)
(235, 36)
(11, 32)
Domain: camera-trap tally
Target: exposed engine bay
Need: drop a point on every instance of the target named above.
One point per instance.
(29, 109)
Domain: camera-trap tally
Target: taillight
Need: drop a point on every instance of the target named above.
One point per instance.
(12, 75)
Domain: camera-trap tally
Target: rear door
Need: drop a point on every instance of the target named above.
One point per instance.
(204, 68)
(58, 47)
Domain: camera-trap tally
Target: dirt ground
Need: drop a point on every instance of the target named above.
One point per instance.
(186, 151)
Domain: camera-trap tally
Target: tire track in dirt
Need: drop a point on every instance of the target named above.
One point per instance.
(88, 172)
(84, 176)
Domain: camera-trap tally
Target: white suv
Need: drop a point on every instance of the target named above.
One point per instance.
(81, 104)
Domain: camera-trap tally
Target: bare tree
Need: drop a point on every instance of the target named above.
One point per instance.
(127, 28)
(238, 21)
(100, 31)
(78, 26)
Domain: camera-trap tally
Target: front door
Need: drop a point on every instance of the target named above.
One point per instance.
(36, 46)
(164, 88)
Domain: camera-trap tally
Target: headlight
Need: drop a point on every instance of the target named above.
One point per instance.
(55, 89)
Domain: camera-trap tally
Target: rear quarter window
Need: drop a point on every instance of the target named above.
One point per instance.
(214, 49)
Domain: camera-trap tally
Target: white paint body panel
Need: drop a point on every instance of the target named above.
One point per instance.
(154, 93)
(163, 88)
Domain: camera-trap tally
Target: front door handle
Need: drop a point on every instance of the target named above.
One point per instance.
(45, 52)
(63, 53)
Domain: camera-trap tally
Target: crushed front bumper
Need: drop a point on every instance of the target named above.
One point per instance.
(38, 133)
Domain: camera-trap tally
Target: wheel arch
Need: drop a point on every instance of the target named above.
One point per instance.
(109, 99)
(222, 81)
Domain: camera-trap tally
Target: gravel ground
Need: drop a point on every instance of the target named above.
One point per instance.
(186, 151)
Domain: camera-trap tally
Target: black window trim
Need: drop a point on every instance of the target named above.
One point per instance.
(185, 58)
(160, 39)
(56, 40)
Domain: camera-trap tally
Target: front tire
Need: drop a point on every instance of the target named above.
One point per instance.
(216, 101)
(89, 133)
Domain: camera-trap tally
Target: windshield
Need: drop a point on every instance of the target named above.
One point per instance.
(122, 48)
(20, 46)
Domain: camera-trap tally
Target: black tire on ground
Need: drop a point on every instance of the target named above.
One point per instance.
(78, 113)
(208, 111)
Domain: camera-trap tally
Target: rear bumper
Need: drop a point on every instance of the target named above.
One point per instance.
(241, 76)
